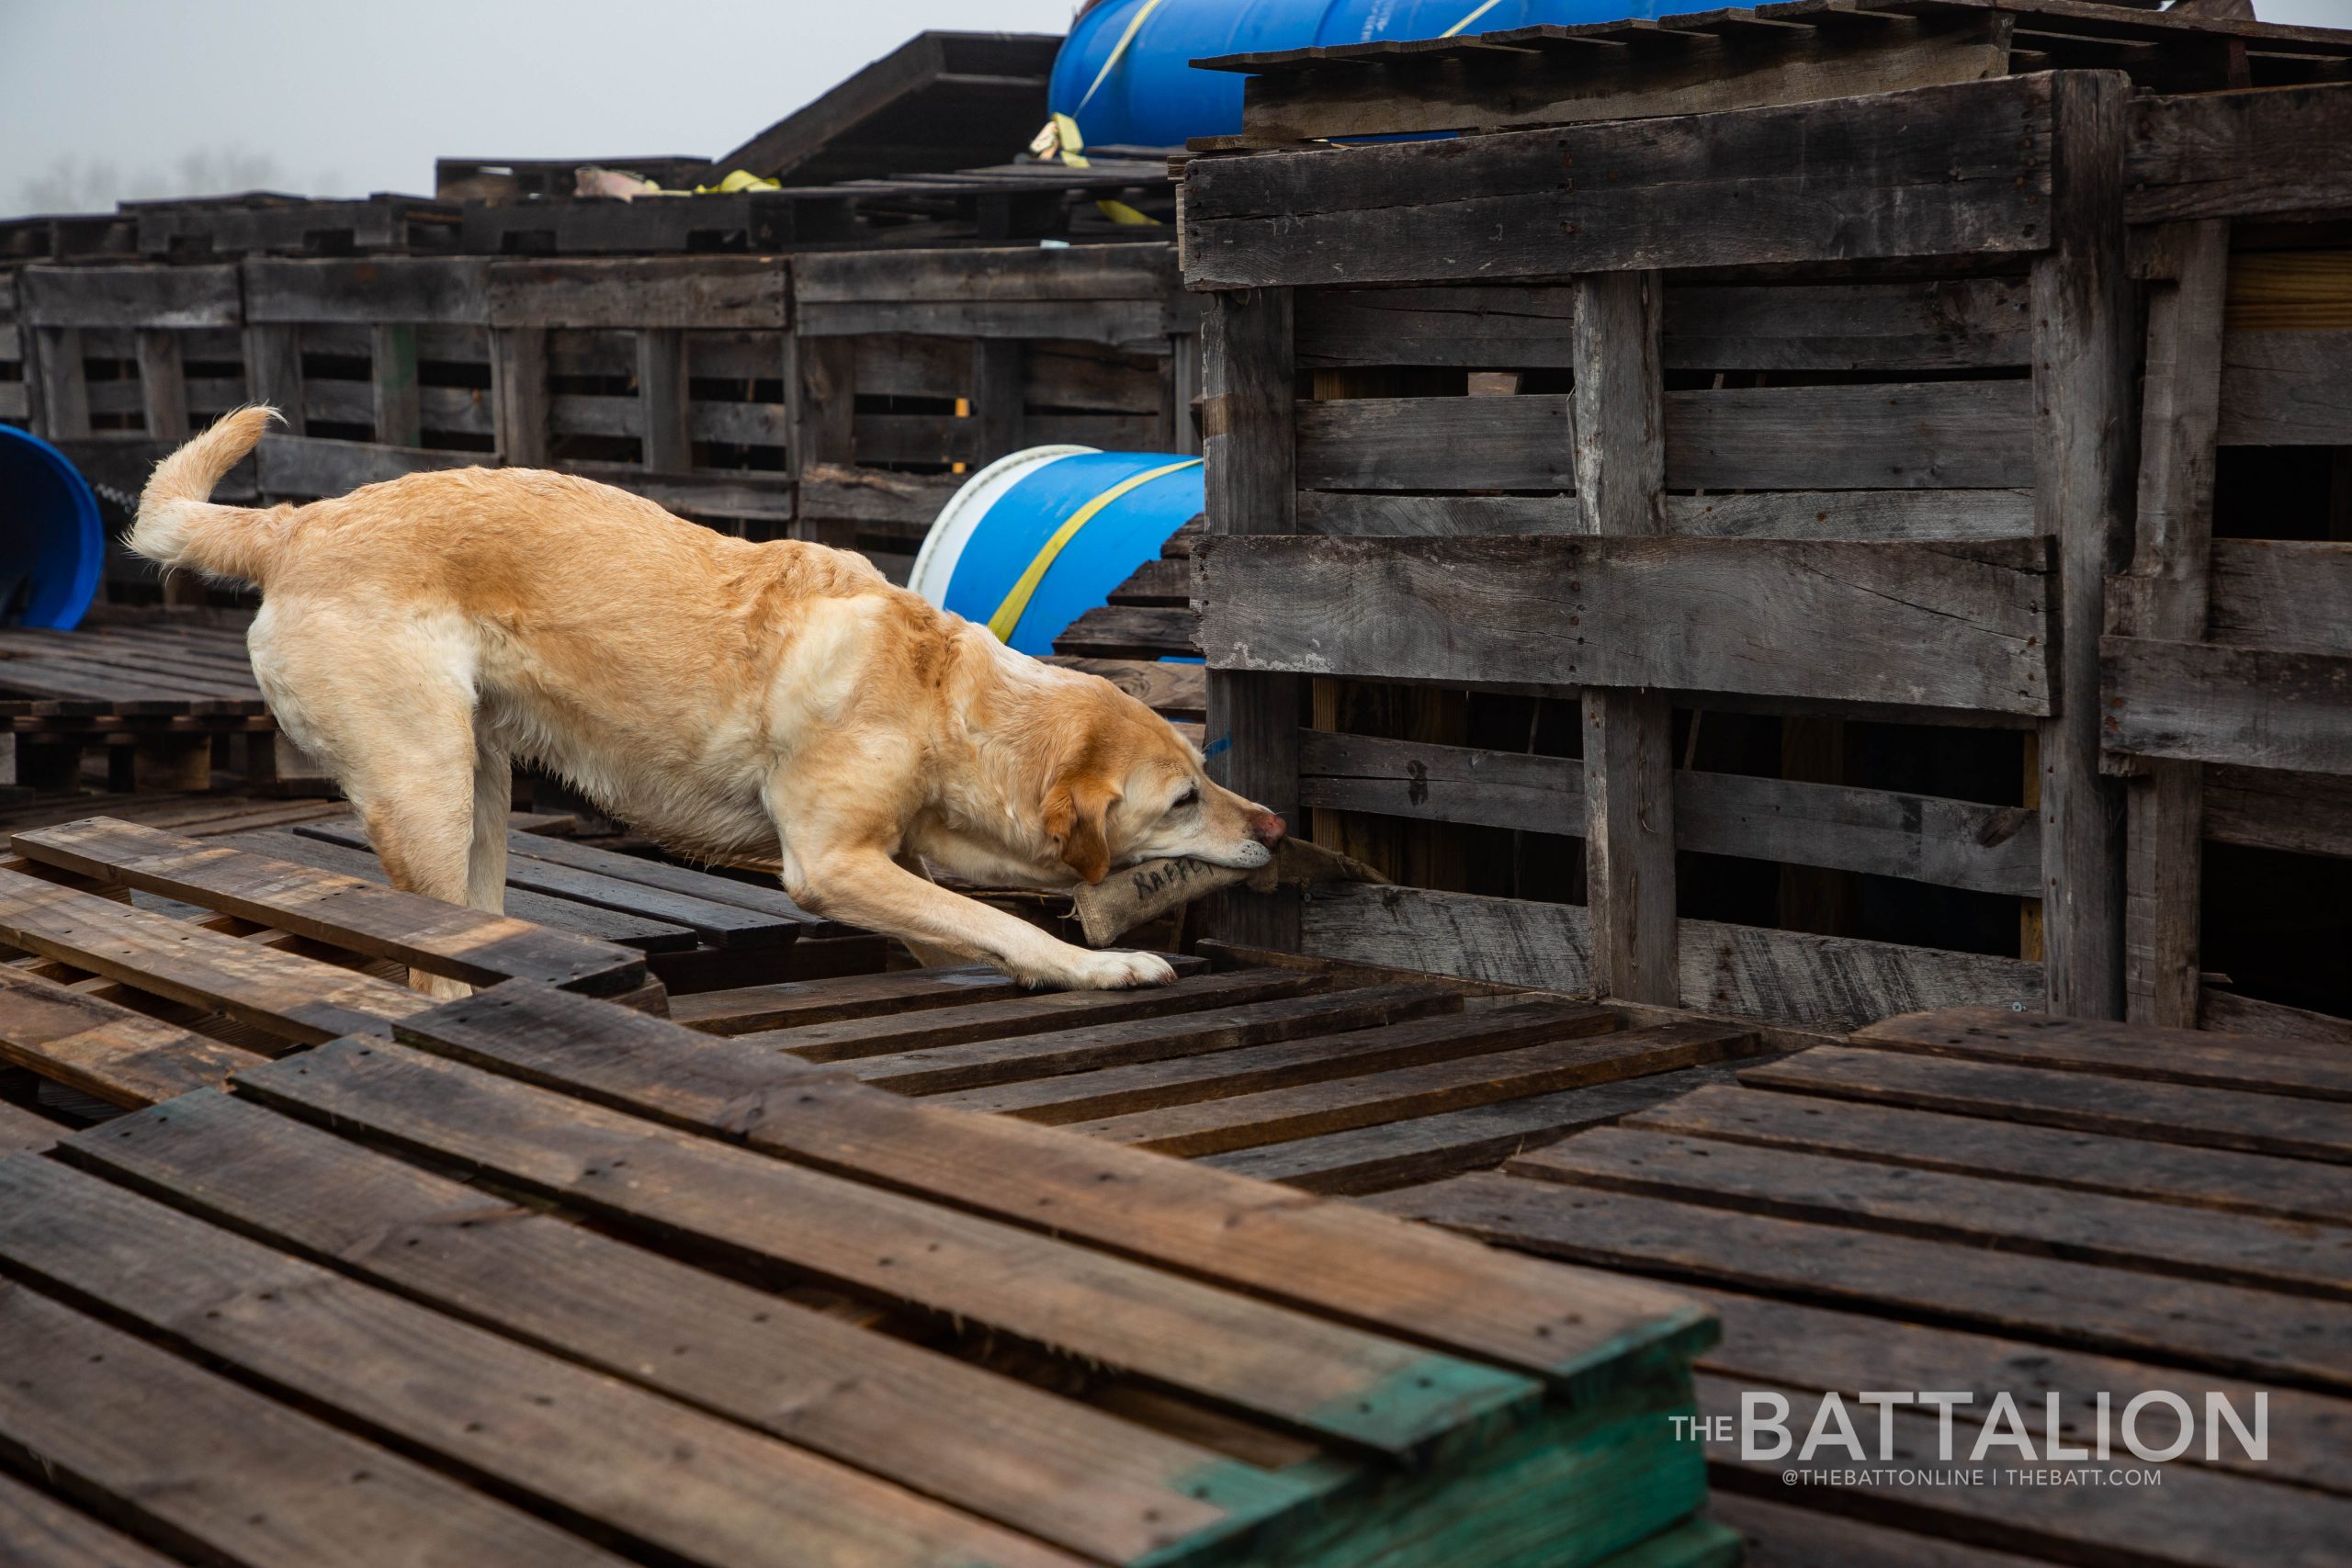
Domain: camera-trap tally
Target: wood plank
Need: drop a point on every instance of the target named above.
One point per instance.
(1301, 1372)
(1888, 514)
(2178, 1113)
(1280, 1115)
(2198, 1177)
(1333, 1259)
(1173, 691)
(1937, 172)
(553, 914)
(1707, 73)
(1247, 1069)
(2286, 388)
(2183, 391)
(707, 886)
(2292, 1257)
(730, 924)
(1374, 1159)
(977, 1064)
(2251, 707)
(22, 1130)
(852, 1038)
(1249, 423)
(201, 1460)
(151, 296)
(288, 997)
(2234, 1013)
(1931, 435)
(1957, 625)
(42, 1532)
(315, 466)
(617, 1458)
(795, 1004)
(1737, 971)
(2226, 1328)
(2141, 1052)
(2294, 594)
(436, 290)
(659, 293)
(423, 933)
(1075, 1478)
(98, 1048)
(1791, 1535)
(2086, 343)
(2238, 154)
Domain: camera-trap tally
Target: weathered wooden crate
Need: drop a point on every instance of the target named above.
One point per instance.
(2227, 689)
(863, 386)
(1755, 474)
(1009, 1343)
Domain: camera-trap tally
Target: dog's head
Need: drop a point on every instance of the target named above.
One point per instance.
(1125, 788)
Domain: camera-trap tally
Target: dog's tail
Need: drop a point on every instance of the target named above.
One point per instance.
(179, 526)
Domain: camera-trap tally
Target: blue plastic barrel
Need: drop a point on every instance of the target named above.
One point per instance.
(1009, 514)
(52, 545)
(1154, 98)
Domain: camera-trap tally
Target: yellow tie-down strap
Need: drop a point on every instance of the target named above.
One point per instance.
(1008, 615)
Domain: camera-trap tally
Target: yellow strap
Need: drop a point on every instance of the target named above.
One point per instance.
(1127, 217)
(1068, 142)
(1134, 25)
(1008, 615)
(1473, 16)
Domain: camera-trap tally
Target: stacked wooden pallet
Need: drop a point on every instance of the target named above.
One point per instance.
(810, 1320)
(1997, 1205)
(160, 697)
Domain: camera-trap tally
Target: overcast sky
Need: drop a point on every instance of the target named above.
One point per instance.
(110, 98)
(101, 99)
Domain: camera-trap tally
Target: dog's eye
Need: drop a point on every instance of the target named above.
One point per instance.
(1190, 798)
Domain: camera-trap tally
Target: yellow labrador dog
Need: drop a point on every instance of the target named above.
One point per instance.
(727, 698)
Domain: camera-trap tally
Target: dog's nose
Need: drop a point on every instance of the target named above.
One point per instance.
(1267, 829)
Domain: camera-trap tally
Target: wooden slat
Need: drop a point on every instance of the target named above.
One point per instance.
(42, 1532)
(2181, 1113)
(1076, 1477)
(2139, 1051)
(293, 998)
(726, 924)
(2294, 594)
(794, 1004)
(1737, 971)
(745, 293)
(425, 933)
(1992, 849)
(1959, 625)
(1250, 485)
(178, 296)
(2292, 1257)
(99, 1048)
(852, 1038)
(1218, 1075)
(554, 914)
(2287, 389)
(2251, 707)
(241, 1476)
(1371, 1160)
(1340, 1384)
(1931, 435)
(21, 1129)
(1277, 1115)
(979, 1062)
(1937, 172)
(654, 1472)
(1331, 1257)
(2225, 1328)
(2207, 1179)
(706, 887)
(2238, 154)
(1877, 514)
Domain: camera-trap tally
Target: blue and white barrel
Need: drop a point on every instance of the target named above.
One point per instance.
(52, 543)
(1034, 540)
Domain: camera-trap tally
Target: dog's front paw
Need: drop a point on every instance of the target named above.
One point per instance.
(1114, 972)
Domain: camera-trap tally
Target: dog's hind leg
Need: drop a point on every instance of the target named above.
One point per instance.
(486, 855)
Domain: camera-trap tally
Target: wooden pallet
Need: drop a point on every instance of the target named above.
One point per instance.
(844, 1328)
(1983, 1200)
(379, 224)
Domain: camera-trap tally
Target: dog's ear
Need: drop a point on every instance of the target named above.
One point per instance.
(1075, 809)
